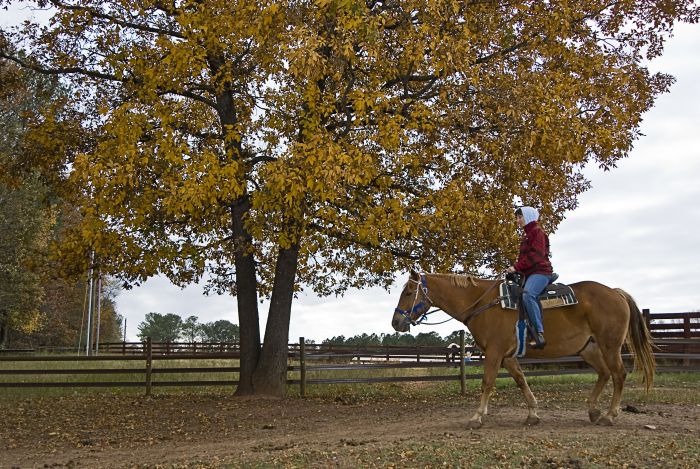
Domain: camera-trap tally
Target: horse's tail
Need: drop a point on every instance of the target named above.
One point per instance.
(640, 341)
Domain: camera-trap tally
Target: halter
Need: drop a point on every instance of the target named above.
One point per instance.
(421, 286)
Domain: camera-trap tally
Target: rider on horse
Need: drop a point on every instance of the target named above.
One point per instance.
(533, 263)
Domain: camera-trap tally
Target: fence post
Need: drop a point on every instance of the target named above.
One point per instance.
(417, 353)
(302, 367)
(462, 365)
(647, 318)
(149, 365)
(124, 348)
(686, 334)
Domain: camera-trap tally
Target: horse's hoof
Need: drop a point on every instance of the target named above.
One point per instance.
(532, 420)
(594, 415)
(473, 424)
(605, 421)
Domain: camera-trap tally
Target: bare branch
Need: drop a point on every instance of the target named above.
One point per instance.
(120, 22)
(342, 237)
(60, 70)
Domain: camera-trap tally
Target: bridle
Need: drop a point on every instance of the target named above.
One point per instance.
(421, 287)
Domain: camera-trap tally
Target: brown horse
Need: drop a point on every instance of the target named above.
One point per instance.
(595, 329)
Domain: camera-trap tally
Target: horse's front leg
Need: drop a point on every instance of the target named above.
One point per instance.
(516, 372)
(492, 362)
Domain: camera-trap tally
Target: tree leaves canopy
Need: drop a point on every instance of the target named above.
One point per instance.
(220, 331)
(373, 134)
(23, 238)
(36, 306)
(160, 327)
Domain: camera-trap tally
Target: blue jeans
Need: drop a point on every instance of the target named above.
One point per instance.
(534, 286)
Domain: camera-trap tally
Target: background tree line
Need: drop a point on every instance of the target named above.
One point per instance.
(172, 328)
(422, 338)
(39, 306)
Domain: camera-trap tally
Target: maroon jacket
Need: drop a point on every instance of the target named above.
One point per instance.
(534, 252)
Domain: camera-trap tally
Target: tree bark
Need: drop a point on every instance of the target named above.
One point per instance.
(246, 278)
(247, 295)
(3, 334)
(270, 377)
(4, 329)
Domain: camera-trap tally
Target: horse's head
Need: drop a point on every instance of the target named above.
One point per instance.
(413, 303)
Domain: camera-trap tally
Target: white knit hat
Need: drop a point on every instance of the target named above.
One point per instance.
(529, 214)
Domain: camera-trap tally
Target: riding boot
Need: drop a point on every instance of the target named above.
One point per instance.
(539, 341)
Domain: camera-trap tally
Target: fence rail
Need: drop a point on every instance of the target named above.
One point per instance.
(673, 325)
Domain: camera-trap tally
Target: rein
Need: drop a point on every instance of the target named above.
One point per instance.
(472, 314)
(425, 316)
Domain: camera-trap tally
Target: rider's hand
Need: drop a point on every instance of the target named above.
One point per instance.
(510, 269)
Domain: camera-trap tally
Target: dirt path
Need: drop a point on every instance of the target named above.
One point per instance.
(221, 431)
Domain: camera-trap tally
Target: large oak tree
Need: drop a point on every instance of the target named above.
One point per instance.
(329, 143)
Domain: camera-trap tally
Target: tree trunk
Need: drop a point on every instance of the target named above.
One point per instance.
(270, 377)
(247, 296)
(3, 335)
(246, 280)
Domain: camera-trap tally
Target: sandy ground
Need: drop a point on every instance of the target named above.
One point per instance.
(218, 430)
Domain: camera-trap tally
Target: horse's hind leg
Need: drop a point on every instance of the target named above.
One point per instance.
(613, 358)
(491, 364)
(591, 354)
(516, 372)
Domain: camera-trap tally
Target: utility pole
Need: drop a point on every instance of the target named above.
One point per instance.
(99, 312)
(88, 342)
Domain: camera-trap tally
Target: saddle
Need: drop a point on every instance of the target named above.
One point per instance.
(554, 296)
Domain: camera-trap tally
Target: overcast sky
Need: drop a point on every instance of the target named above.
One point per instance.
(637, 228)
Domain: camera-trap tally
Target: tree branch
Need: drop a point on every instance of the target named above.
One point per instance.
(189, 94)
(341, 237)
(501, 53)
(60, 70)
(120, 22)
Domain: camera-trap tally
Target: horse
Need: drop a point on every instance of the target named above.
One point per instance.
(595, 328)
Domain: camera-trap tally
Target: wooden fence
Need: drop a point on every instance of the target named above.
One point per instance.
(305, 359)
(673, 325)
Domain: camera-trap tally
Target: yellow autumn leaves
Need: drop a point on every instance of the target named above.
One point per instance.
(369, 134)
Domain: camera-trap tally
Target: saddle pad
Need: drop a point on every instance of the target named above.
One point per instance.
(554, 296)
(520, 338)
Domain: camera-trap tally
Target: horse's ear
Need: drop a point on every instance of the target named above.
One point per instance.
(414, 273)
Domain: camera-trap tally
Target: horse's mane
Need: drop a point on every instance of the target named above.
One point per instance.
(463, 280)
